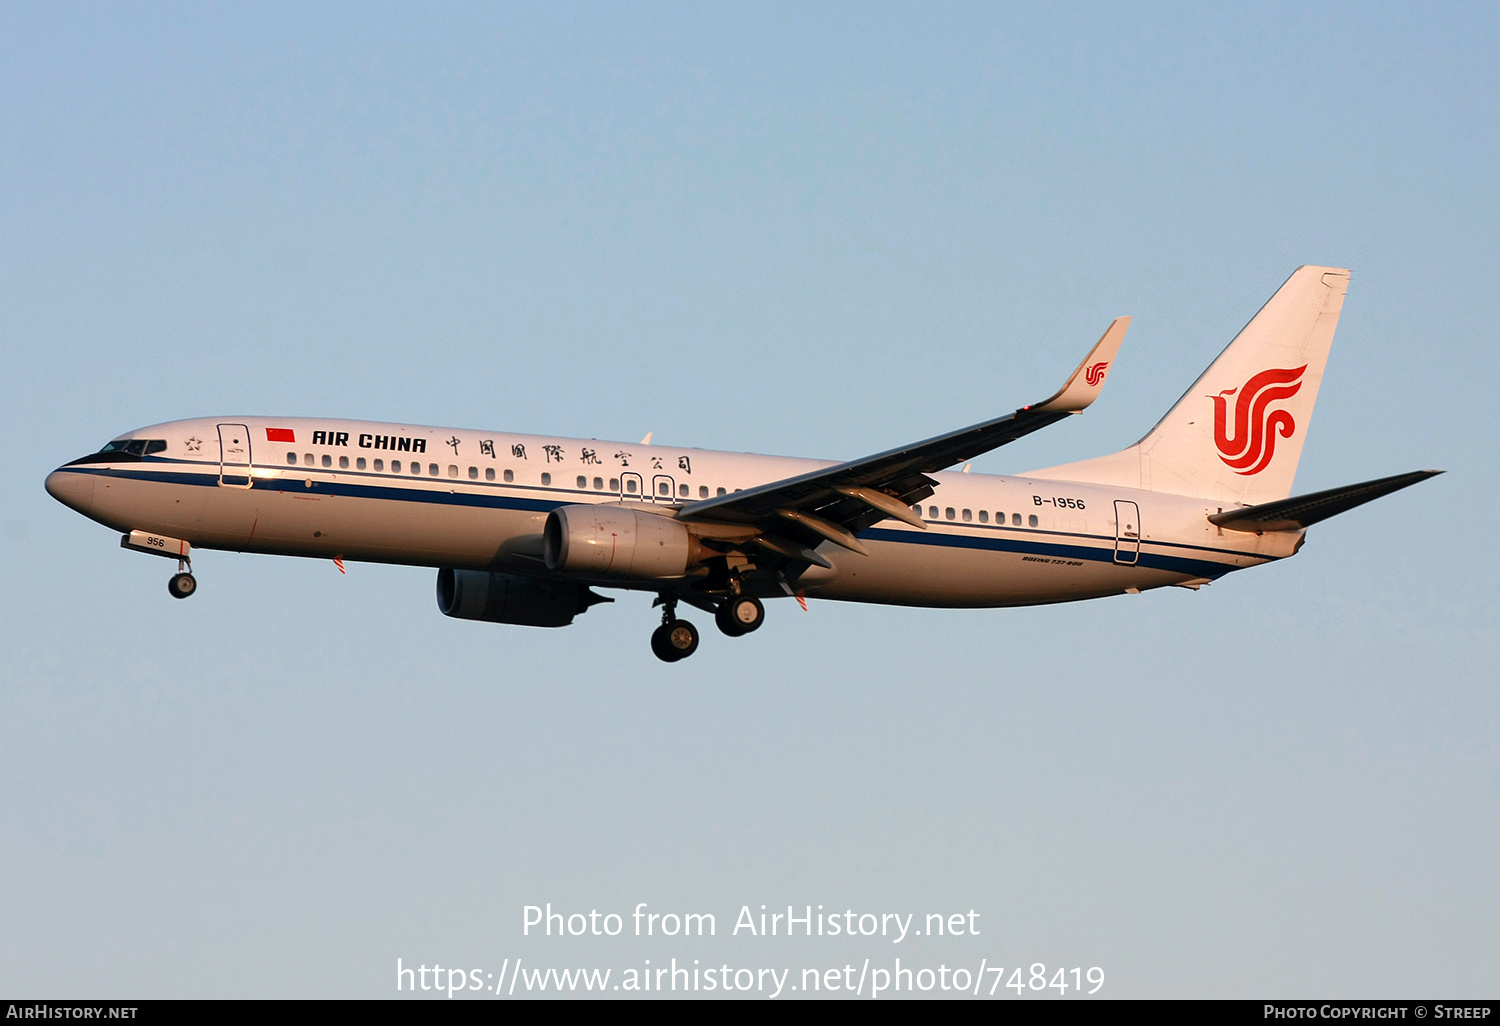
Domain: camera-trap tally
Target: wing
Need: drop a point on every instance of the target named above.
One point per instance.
(836, 503)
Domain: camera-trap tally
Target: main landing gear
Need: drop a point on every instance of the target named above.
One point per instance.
(738, 615)
(677, 639)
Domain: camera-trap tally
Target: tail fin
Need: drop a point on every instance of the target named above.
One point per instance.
(1237, 434)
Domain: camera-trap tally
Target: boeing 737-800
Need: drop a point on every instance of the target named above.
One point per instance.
(522, 529)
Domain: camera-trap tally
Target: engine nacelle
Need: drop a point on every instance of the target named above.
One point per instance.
(617, 542)
(511, 598)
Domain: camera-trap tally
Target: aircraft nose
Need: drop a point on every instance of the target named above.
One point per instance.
(72, 489)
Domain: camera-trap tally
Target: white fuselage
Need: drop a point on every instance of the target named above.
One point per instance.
(466, 499)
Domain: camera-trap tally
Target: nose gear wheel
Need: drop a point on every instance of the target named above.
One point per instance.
(182, 585)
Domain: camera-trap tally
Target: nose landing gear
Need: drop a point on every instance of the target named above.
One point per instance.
(182, 583)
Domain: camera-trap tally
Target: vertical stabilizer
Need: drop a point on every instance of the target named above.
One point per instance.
(1237, 434)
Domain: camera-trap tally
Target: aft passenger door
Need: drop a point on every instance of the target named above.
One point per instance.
(234, 455)
(1127, 532)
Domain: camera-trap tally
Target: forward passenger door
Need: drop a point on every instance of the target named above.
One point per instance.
(234, 455)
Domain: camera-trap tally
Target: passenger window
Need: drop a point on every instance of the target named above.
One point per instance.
(416, 468)
(722, 492)
(473, 473)
(432, 468)
(546, 479)
(1034, 520)
(614, 484)
(509, 476)
(598, 484)
(380, 464)
(343, 463)
(489, 473)
(917, 509)
(932, 513)
(682, 490)
(1015, 518)
(583, 482)
(703, 491)
(291, 459)
(327, 461)
(630, 485)
(395, 466)
(663, 489)
(452, 470)
(359, 464)
(307, 459)
(950, 512)
(984, 516)
(968, 516)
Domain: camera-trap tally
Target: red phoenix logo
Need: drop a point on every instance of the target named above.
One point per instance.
(1255, 428)
(1095, 374)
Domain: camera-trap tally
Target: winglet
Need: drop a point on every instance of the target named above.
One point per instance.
(1088, 380)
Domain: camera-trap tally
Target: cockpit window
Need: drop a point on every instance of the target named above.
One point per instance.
(136, 446)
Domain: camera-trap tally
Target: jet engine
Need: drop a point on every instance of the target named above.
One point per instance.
(511, 598)
(618, 542)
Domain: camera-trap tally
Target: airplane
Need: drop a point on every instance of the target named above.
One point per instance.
(522, 529)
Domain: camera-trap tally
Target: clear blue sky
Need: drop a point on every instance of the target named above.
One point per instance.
(816, 231)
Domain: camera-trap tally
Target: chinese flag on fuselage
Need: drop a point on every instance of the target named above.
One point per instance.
(280, 435)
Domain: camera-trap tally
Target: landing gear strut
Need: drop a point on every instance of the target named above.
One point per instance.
(675, 639)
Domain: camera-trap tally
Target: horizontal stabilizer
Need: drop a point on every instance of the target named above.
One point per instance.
(1305, 510)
